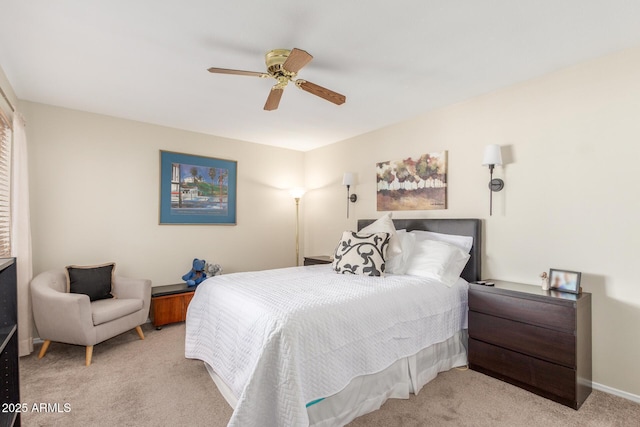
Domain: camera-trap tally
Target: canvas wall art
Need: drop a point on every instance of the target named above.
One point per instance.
(197, 189)
(409, 184)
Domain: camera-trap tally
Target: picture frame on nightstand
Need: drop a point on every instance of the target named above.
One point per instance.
(564, 281)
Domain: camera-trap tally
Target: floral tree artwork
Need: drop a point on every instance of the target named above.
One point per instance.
(409, 184)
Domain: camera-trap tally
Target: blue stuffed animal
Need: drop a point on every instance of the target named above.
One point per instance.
(197, 274)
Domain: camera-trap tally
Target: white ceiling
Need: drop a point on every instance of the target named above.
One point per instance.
(147, 60)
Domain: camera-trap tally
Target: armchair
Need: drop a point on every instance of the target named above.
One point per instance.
(73, 319)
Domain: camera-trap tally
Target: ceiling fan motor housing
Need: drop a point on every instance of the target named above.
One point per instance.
(274, 60)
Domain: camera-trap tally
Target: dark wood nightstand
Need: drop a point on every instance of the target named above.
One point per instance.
(319, 259)
(534, 339)
(169, 303)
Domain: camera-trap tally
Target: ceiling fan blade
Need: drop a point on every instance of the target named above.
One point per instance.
(322, 92)
(273, 100)
(239, 72)
(297, 59)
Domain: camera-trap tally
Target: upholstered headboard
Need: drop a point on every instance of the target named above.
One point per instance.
(463, 227)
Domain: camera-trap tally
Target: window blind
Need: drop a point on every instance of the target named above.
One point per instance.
(5, 186)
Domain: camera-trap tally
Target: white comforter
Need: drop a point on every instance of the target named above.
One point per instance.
(282, 338)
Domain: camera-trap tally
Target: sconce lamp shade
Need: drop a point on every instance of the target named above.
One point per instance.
(347, 179)
(492, 155)
(297, 193)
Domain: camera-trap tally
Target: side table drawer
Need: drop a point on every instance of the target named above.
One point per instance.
(554, 316)
(170, 308)
(548, 344)
(545, 378)
(187, 299)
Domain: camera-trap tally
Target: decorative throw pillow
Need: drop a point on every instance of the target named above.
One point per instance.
(384, 224)
(361, 253)
(94, 281)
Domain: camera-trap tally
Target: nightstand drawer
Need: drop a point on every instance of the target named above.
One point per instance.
(555, 316)
(319, 259)
(169, 303)
(544, 378)
(548, 344)
(535, 339)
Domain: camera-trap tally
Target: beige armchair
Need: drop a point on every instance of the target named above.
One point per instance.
(72, 319)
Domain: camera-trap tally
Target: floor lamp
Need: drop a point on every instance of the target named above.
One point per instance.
(297, 194)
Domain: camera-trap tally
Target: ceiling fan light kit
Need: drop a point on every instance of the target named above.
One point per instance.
(283, 65)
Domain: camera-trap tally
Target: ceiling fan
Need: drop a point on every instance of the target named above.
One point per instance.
(283, 65)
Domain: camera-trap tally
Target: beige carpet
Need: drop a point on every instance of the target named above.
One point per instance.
(150, 383)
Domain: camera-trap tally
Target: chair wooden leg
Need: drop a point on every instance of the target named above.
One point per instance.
(88, 355)
(44, 349)
(139, 331)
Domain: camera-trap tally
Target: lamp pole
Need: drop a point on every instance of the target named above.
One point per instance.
(490, 190)
(297, 194)
(297, 231)
(493, 157)
(348, 201)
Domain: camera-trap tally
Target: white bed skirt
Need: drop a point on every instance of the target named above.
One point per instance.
(367, 393)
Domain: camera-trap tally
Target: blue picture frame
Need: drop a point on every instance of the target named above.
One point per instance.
(197, 189)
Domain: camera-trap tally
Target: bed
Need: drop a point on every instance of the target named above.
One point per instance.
(306, 346)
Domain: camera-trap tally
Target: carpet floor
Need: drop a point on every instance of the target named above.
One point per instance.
(150, 383)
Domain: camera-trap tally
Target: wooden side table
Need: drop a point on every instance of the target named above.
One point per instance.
(169, 303)
(534, 339)
(318, 259)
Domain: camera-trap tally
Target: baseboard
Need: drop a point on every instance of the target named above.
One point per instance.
(616, 392)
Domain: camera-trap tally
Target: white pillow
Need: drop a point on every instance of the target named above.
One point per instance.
(385, 225)
(463, 242)
(398, 264)
(441, 261)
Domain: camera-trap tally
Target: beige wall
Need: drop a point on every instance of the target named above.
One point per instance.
(572, 145)
(95, 197)
(571, 142)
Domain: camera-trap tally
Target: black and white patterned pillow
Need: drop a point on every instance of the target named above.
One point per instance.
(361, 253)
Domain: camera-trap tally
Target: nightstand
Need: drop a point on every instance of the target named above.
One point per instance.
(537, 340)
(319, 259)
(169, 303)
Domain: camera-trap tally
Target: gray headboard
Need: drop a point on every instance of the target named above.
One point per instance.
(463, 227)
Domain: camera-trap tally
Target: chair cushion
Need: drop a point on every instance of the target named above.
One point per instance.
(94, 281)
(106, 310)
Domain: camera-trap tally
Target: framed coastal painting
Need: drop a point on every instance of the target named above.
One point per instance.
(412, 184)
(197, 189)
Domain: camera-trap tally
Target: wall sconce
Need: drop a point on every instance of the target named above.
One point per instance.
(297, 194)
(347, 179)
(493, 157)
